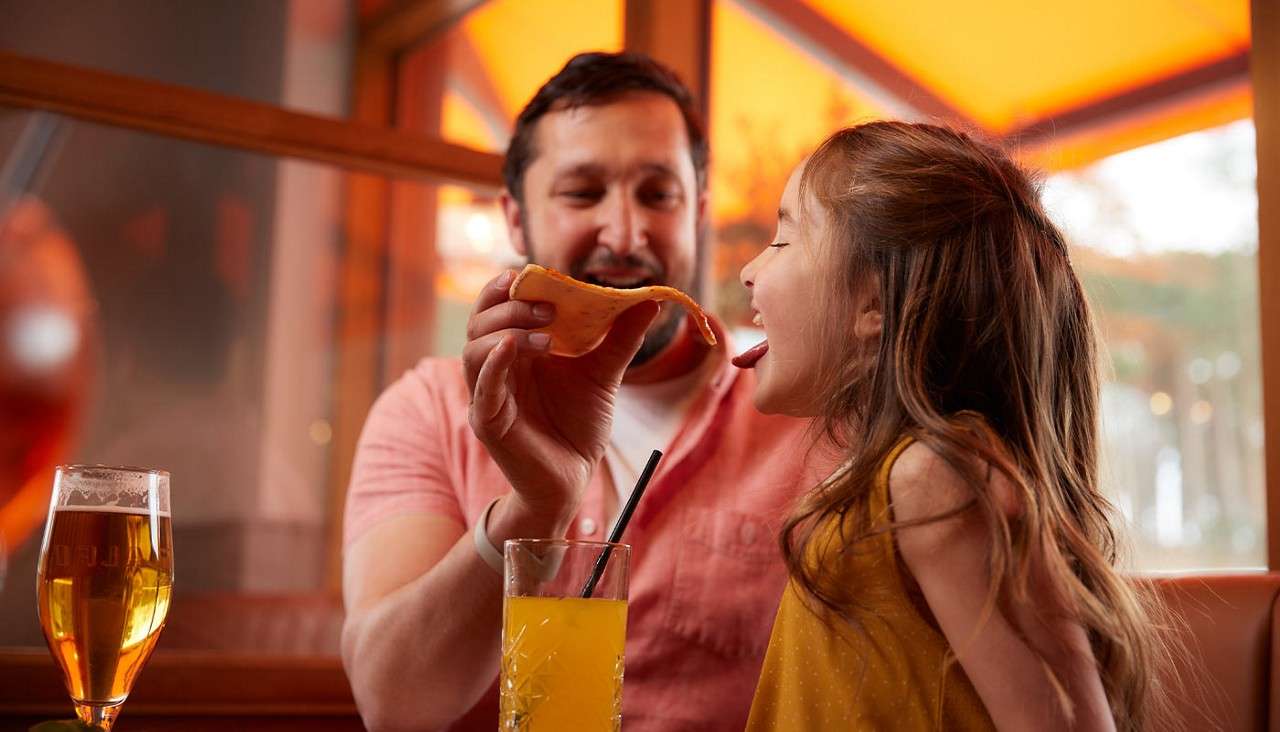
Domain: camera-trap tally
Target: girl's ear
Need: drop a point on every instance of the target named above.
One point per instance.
(869, 321)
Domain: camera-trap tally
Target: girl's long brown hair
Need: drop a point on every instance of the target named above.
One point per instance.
(988, 356)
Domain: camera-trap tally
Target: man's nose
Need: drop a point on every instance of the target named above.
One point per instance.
(623, 228)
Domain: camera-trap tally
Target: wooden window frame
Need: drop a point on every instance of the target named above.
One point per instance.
(1266, 119)
(216, 119)
(365, 277)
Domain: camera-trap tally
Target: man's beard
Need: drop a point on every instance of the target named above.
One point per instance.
(661, 334)
(659, 337)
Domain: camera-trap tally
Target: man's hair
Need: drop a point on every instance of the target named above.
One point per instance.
(591, 79)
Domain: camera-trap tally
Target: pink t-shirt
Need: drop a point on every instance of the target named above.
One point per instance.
(706, 572)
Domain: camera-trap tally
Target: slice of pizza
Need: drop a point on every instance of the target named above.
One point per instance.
(585, 312)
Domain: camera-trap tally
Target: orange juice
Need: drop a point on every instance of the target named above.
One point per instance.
(562, 664)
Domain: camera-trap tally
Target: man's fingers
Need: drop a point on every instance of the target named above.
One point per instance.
(625, 337)
(490, 393)
(495, 291)
(478, 351)
(510, 314)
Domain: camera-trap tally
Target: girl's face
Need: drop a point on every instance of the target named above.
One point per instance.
(785, 282)
(782, 280)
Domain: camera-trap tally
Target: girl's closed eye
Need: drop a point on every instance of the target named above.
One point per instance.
(779, 244)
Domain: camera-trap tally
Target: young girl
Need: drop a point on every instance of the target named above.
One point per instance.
(958, 571)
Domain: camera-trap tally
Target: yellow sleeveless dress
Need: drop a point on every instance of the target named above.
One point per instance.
(888, 672)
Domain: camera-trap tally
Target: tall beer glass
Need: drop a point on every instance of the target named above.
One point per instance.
(105, 578)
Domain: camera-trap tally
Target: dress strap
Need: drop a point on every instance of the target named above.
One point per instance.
(880, 496)
(878, 505)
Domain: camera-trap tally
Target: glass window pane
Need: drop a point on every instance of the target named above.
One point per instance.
(469, 83)
(291, 54)
(772, 101)
(1165, 239)
(445, 242)
(214, 275)
(473, 247)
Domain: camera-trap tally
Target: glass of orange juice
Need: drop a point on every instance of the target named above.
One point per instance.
(562, 653)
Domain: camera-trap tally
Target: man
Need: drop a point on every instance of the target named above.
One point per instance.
(605, 180)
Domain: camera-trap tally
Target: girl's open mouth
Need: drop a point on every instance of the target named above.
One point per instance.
(748, 358)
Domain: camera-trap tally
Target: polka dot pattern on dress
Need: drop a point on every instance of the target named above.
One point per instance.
(886, 669)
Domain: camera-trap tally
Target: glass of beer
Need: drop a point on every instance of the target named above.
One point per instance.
(562, 635)
(104, 582)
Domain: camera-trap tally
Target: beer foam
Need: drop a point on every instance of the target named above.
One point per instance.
(114, 509)
(99, 487)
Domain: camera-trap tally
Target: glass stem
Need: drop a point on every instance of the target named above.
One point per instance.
(98, 716)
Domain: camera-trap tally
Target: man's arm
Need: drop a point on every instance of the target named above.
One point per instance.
(420, 641)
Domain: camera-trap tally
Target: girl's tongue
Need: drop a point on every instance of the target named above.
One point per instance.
(748, 358)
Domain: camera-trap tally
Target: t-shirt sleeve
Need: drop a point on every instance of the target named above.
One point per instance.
(401, 460)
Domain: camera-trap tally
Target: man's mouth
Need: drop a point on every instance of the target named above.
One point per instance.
(620, 280)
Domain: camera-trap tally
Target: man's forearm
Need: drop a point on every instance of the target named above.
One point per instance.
(423, 655)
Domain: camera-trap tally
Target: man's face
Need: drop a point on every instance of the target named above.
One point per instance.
(611, 198)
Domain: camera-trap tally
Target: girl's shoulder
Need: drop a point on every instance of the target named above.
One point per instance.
(924, 484)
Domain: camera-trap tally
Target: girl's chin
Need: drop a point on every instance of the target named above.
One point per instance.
(763, 405)
(787, 403)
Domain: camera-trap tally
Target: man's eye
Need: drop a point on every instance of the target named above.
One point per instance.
(660, 197)
(581, 194)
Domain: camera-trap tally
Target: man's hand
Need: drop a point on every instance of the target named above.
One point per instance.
(544, 419)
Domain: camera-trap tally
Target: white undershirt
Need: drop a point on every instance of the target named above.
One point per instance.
(647, 417)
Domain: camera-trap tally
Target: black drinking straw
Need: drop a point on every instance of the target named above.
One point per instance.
(616, 535)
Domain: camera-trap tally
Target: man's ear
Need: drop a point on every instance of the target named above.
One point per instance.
(514, 218)
(869, 321)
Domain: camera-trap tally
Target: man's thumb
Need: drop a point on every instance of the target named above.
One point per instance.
(626, 335)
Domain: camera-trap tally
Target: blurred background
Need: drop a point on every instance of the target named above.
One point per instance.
(253, 288)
